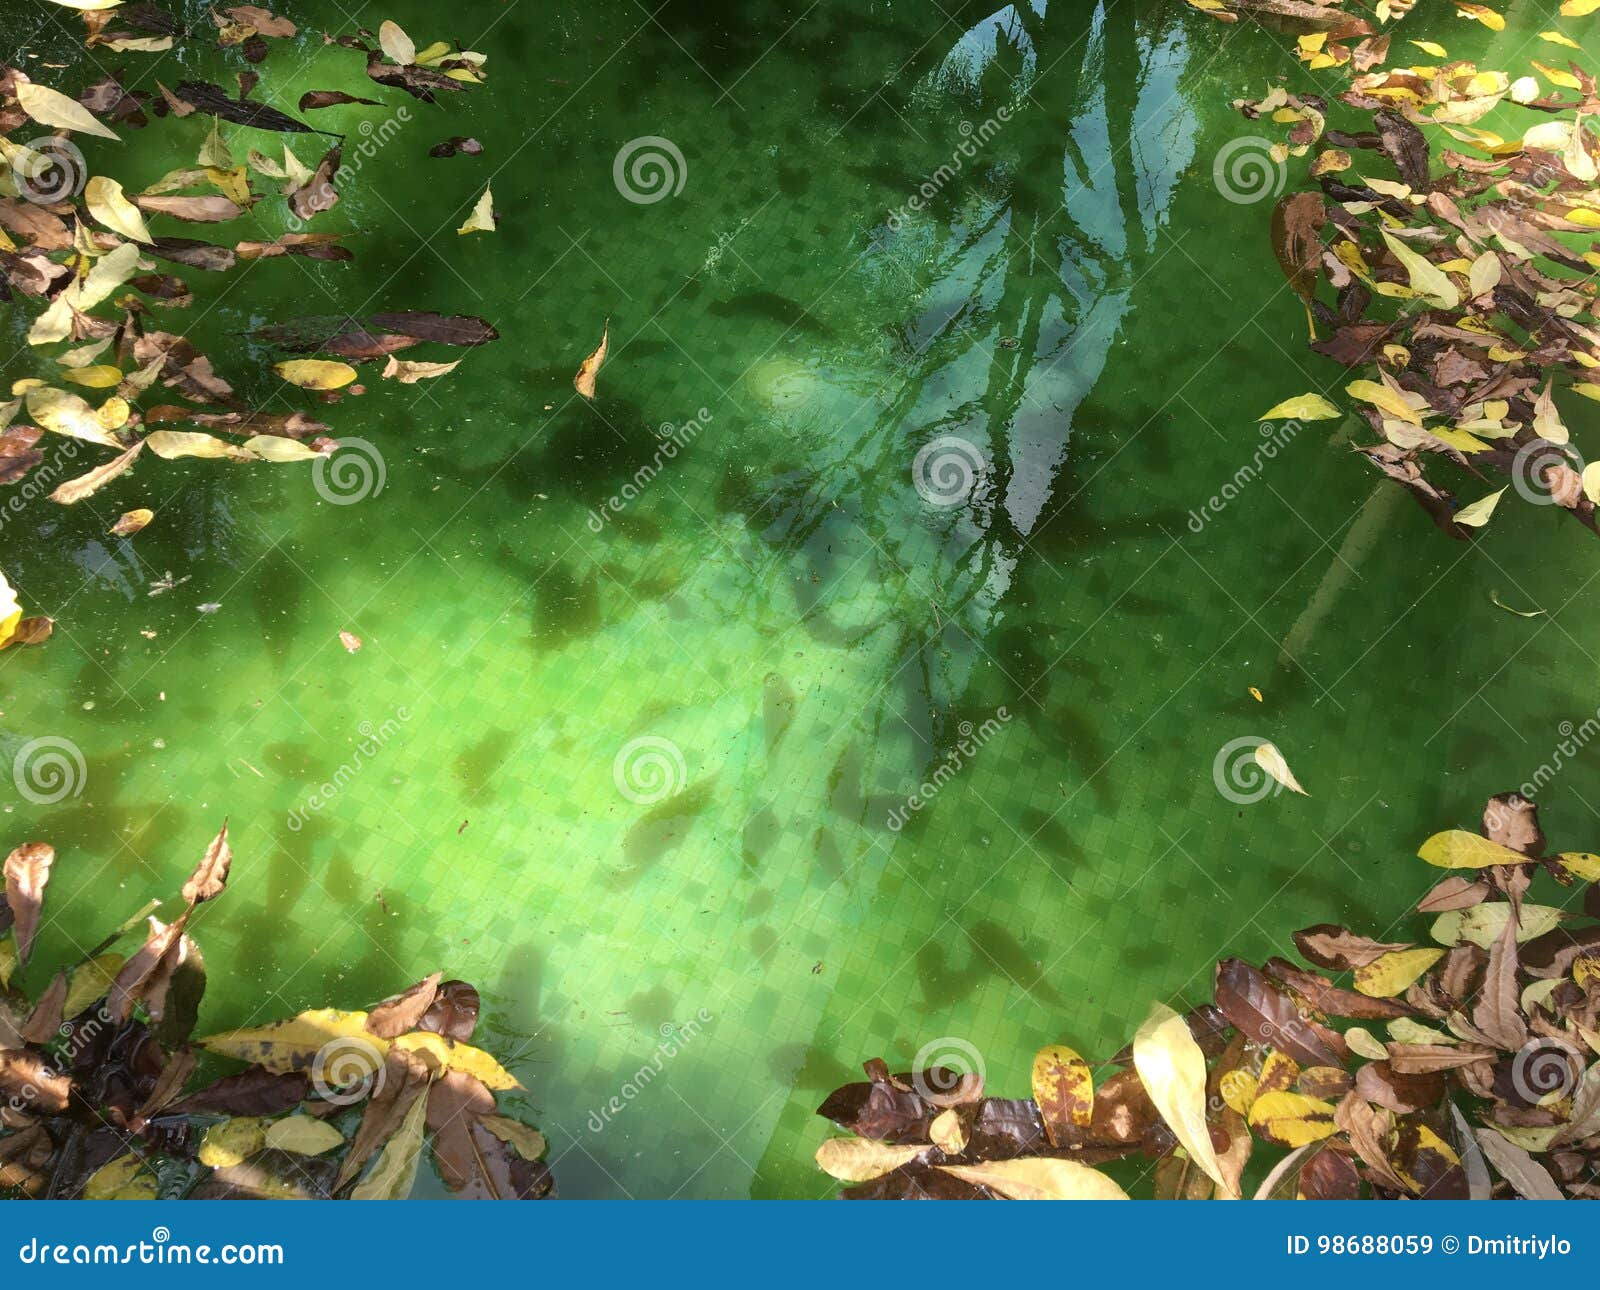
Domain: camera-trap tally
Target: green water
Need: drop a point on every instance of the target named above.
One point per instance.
(799, 632)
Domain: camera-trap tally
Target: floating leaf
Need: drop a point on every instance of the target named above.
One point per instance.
(315, 373)
(1064, 1090)
(584, 381)
(288, 1046)
(1386, 977)
(1271, 760)
(1458, 849)
(1173, 1071)
(52, 108)
(861, 1160)
(1477, 514)
(108, 204)
(1308, 407)
(482, 219)
(1039, 1179)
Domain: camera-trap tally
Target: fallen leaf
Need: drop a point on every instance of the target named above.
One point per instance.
(584, 381)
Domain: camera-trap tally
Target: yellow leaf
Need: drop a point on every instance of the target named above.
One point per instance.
(1556, 38)
(1308, 407)
(231, 1141)
(1477, 514)
(123, 1179)
(315, 373)
(1432, 48)
(1173, 1071)
(52, 108)
(1064, 1090)
(110, 206)
(860, 1160)
(1292, 1119)
(304, 1135)
(1458, 849)
(1039, 1179)
(442, 1053)
(1384, 399)
(63, 412)
(1389, 974)
(482, 218)
(1487, 16)
(285, 1047)
(1566, 80)
(1364, 1044)
(271, 447)
(1427, 279)
(1484, 274)
(948, 1133)
(102, 376)
(1582, 865)
(172, 444)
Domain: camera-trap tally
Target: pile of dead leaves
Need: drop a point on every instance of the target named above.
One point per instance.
(1468, 1067)
(100, 1099)
(101, 270)
(1449, 265)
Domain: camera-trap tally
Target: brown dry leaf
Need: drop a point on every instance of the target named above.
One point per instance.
(404, 1080)
(400, 1013)
(27, 873)
(211, 874)
(143, 976)
(90, 482)
(584, 381)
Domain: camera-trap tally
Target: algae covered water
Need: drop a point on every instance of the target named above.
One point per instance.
(856, 674)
